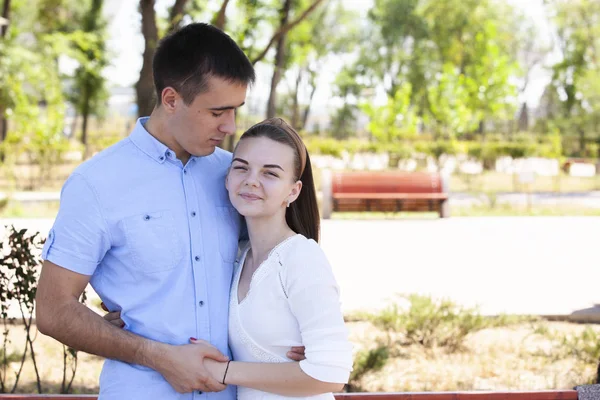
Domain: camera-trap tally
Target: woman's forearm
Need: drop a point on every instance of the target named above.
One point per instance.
(286, 379)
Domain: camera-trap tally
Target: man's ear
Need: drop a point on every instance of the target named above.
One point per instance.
(169, 99)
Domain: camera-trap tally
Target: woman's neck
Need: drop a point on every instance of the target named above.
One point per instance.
(265, 234)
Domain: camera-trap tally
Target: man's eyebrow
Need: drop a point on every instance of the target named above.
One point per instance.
(223, 108)
(240, 160)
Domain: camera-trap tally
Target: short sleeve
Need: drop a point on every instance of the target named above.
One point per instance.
(79, 238)
(313, 296)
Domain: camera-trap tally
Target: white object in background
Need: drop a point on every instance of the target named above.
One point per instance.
(407, 165)
(377, 162)
(326, 189)
(582, 170)
(505, 165)
(527, 176)
(471, 167)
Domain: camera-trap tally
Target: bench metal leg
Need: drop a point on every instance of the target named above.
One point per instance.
(399, 205)
(445, 209)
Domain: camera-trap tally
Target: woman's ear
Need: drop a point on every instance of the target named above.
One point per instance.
(295, 192)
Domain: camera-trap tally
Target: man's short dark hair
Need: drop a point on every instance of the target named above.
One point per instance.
(185, 59)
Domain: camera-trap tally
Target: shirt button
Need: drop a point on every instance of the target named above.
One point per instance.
(168, 154)
(201, 303)
(185, 171)
(193, 213)
(199, 392)
(197, 258)
(161, 158)
(146, 218)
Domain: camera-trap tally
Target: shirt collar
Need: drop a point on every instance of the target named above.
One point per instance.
(148, 143)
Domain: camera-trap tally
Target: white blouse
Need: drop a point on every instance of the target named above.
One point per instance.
(293, 300)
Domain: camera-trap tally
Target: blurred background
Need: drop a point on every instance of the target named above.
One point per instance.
(483, 111)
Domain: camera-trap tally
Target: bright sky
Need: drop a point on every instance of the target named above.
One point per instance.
(126, 44)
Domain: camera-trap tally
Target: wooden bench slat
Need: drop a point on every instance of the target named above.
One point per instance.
(401, 196)
(538, 395)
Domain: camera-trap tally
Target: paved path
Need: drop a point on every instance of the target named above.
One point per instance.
(537, 265)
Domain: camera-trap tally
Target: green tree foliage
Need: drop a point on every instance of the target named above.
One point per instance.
(575, 108)
(456, 56)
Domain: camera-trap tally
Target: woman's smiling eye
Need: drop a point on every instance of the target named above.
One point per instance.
(272, 174)
(240, 167)
(216, 115)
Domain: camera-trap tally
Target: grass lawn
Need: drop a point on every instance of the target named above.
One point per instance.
(501, 210)
(513, 357)
(50, 209)
(494, 182)
(503, 358)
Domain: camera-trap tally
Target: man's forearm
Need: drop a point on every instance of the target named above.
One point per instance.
(75, 325)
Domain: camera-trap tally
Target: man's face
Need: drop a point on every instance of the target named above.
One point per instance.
(201, 126)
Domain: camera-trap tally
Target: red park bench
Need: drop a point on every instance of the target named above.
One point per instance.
(384, 191)
(539, 395)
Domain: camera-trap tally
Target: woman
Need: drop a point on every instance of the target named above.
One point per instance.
(283, 293)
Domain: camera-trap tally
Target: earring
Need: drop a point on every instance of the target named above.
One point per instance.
(288, 204)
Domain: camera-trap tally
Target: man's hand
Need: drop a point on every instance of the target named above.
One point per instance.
(297, 353)
(183, 366)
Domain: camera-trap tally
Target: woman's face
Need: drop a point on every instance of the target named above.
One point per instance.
(261, 179)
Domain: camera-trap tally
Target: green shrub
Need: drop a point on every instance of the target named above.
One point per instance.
(429, 323)
(584, 347)
(366, 361)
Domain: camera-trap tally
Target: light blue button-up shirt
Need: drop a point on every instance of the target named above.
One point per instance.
(159, 240)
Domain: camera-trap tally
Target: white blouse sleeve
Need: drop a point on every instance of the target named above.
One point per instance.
(313, 297)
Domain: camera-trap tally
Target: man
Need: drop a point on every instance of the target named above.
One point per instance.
(148, 223)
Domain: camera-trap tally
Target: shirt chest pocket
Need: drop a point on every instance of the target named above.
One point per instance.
(152, 241)
(228, 226)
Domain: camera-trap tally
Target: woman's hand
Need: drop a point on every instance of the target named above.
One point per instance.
(216, 369)
(113, 317)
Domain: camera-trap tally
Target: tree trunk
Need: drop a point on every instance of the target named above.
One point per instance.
(295, 105)
(220, 18)
(3, 125)
(6, 16)
(3, 32)
(85, 114)
(285, 29)
(582, 142)
(176, 15)
(144, 88)
(90, 25)
(279, 59)
(307, 109)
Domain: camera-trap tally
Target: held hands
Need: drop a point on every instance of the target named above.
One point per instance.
(184, 367)
(215, 369)
(195, 366)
